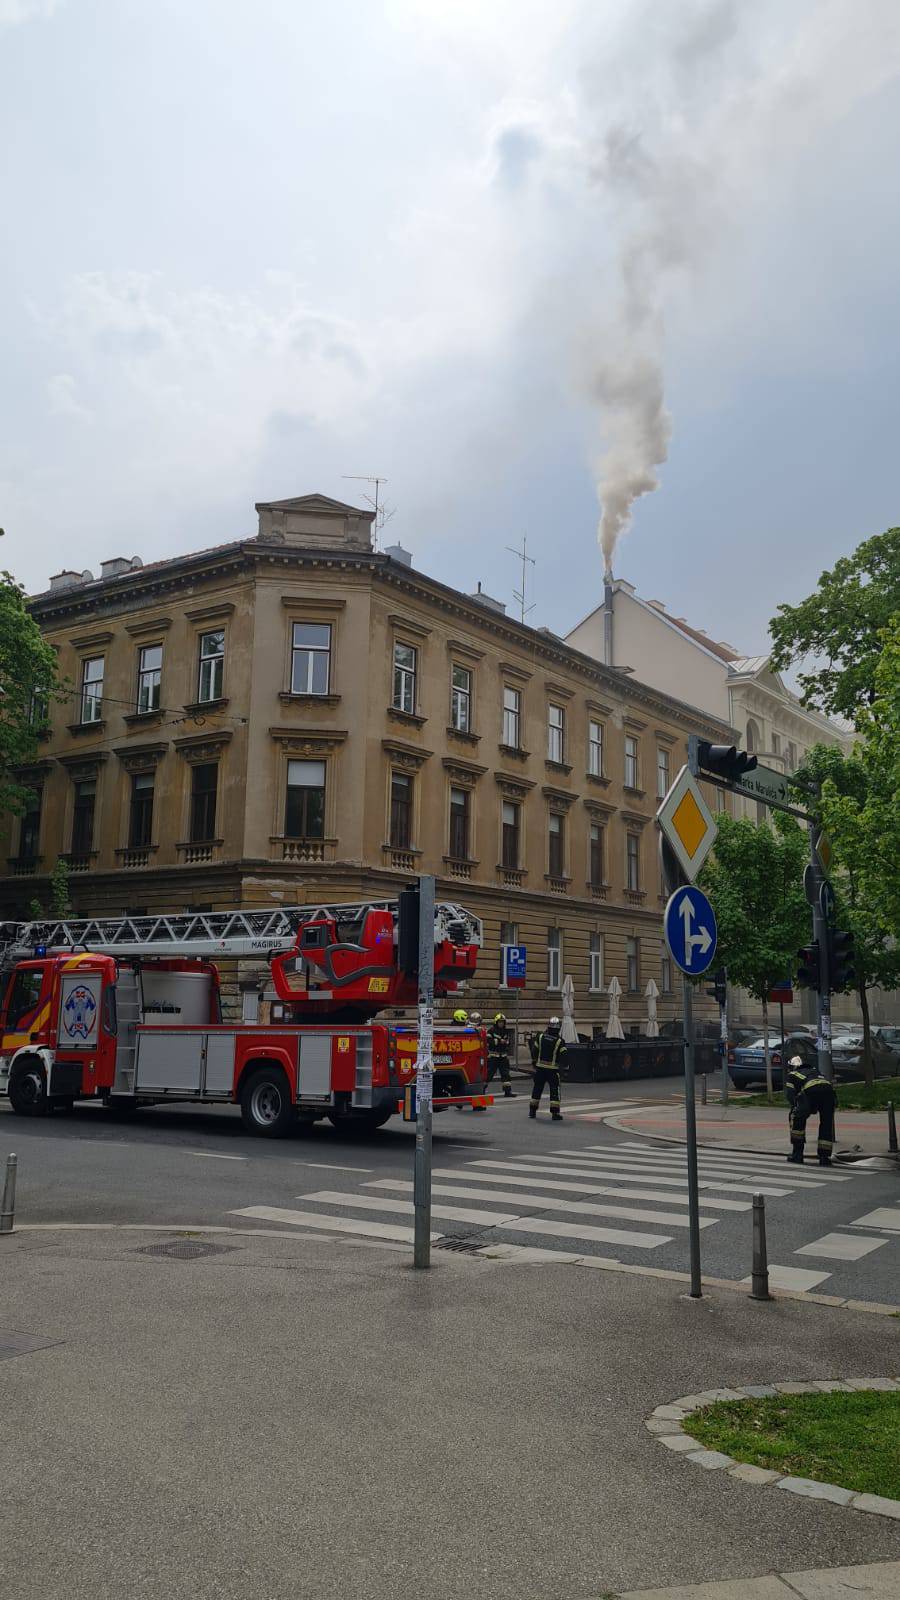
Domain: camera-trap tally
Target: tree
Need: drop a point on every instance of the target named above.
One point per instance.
(755, 882)
(841, 625)
(60, 898)
(845, 784)
(28, 680)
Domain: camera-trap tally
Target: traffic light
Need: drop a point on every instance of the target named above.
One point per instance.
(841, 961)
(408, 931)
(808, 966)
(718, 990)
(724, 760)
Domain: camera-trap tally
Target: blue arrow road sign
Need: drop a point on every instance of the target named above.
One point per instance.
(690, 929)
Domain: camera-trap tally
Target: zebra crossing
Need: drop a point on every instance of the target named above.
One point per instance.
(591, 1110)
(565, 1203)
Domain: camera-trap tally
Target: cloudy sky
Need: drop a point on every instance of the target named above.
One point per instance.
(499, 251)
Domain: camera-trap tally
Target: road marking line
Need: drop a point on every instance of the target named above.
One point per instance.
(549, 1203)
(215, 1155)
(840, 1247)
(709, 1201)
(887, 1217)
(493, 1219)
(792, 1277)
(327, 1224)
(330, 1166)
(707, 1169)
(735, 1161)
(627, 1177)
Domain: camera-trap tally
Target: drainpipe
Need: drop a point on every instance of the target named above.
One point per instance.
(608, 656)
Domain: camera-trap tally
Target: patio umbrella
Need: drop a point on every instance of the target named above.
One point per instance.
(568, 1030)
(651, 992)
(614, 1029)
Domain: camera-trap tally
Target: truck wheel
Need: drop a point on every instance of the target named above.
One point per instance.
(357, 1124)
(266, 1103)
(28, 1088)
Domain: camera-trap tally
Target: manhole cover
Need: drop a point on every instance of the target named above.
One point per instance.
(464, 1247)
(184, 1249)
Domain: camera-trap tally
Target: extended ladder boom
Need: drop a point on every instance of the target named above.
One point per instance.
(210, 933)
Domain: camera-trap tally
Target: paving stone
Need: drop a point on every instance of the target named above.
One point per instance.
(817, 1491)
(832, 1386)
(660, 1425)
(797, 1388)
(689, 1402)
(712, 1460)
(877, 1306)
(677, 1441)
(879, 1504)
(760, 1391)
(710, 1396)
(883, 1385)
(878, 1581)
(670, 1413)
(750, 1474)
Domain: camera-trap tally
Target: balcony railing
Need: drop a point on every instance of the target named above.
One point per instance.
(403, 860)
(302, 850)
(597, 891)
(457, 868)
(23, 866)
(557, 885)
(134, 855)
(635, 897)
(198, 855)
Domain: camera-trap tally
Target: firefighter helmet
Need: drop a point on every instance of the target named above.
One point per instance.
(476, 1018)
(500, 1017)
(554, 1022)
(460, 1015)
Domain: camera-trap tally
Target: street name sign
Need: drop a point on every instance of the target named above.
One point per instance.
(687, 824)
(765, 784)
(690, 929)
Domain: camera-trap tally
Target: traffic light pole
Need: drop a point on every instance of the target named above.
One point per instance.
(690, 1116)
(424, 1078)
(823, 993)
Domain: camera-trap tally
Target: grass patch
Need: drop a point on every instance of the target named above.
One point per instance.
(850, 1096)
(849, 1439)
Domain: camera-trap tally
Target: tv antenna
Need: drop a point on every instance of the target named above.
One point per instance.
(527, 561)
(382, 513)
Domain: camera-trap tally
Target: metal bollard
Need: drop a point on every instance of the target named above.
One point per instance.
(759, 1289)
(703, 1090)
(8, 1209)
(892, 1128)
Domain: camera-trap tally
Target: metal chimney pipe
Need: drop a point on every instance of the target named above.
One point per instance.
(608, 596)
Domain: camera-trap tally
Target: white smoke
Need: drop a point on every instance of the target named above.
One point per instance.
(720, 98)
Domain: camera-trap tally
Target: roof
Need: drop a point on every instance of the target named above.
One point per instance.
(747, 666)
(723, 651)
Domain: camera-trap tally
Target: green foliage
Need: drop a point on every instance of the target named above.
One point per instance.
(755, 882)
(850, 1096)
(849, 1439)
(60, 901)
(36, 912)
(27, 667)
(840, 625)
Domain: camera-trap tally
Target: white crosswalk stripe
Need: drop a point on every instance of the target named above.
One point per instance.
(493, 1219)
(623, 1175)
(737, 1160)
(562, 1185)
(666, 1219)
(792, 1175)
(322, 1223)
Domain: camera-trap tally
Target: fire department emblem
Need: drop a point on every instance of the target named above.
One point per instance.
(79, 1012)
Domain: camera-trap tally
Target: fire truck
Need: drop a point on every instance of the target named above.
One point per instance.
(127, 1010)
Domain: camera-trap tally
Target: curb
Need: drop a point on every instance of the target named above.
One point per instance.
(706, 1144)
(666, 1425)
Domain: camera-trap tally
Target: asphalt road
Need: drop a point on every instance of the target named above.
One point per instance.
(578, 1186)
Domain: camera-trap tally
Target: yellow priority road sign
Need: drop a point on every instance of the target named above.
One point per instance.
(687, 823)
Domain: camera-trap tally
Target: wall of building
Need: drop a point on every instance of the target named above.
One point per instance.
(656, 652)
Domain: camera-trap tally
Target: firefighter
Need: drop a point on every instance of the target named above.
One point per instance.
(498, 1053)
(550, 1053)
(795, 1079)
(461, 1017)
(817, 1095)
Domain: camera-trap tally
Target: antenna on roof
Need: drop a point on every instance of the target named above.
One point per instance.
(382, 514)
(527, 561)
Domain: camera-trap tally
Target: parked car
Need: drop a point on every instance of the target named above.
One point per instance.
(891, 1037)
(747, 1063)
(847, 1053)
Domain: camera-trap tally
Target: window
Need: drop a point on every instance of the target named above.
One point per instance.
(83, 817)
(595, 749)
(204, 792)
(459, 824)
(149, 676)
(30, 830)
(509, 934)
(632, 861)
(92, 689)
(776, 745)
(665, 968)
(401, 810)
(556, 733)
(304, 809)
(631, 761)
(595, 962)
(26, 993)
(662, 773)
(140, 821)
(212, 665)
(310, 657)
(791, 756)
(554, 958)
(512, 717)
(511, 836)
(596, 855)
(633, 965)
(752, 736)
(461, 699)
(556, 828)
(38, 708)
(405, 665)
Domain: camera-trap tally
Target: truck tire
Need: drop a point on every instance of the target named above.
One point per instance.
(266, 1106)
(28, 1088)
(355, 1124)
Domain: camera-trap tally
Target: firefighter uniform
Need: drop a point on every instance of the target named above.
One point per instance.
(549, 1056)
(795, 1078)
(498, 1052)
(817, 1095)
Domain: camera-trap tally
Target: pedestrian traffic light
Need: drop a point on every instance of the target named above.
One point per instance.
(841, 961)
(719, 990)
(408, 931)
(723, 761)
(808, 966)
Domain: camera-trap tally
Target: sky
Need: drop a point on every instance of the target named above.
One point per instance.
(523, 261)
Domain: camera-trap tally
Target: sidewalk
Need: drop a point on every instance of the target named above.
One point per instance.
(881, 1582)
(307, 1419)
(750, 1127)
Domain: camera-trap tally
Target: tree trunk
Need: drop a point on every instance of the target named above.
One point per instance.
(867, 1063)
(767, 1052)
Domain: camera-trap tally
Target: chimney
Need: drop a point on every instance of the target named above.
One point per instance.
(488, 601)
(115, 565)
(608, 598)
(64, 580)
(397, 553)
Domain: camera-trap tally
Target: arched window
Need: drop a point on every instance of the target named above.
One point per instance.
(752, 735)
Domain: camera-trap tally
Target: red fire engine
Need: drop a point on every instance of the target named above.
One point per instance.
(127, 1010)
